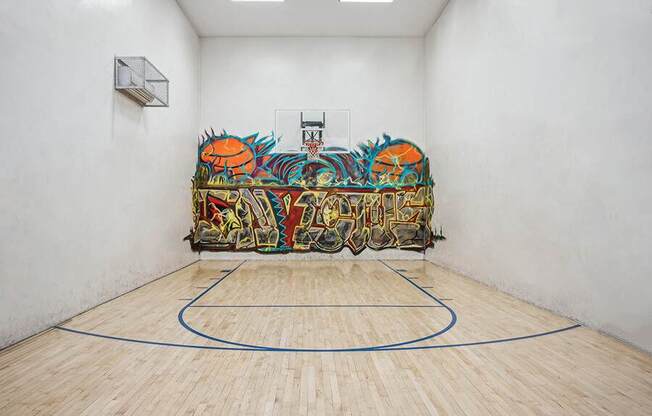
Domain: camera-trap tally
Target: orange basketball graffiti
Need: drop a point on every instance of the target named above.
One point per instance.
(230, 155)
(397, 160)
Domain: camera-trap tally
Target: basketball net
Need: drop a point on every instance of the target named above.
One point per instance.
(313, 146)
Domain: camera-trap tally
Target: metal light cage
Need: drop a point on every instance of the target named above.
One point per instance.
(140, 80)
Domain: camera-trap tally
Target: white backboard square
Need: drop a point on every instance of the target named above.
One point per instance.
(336, 132)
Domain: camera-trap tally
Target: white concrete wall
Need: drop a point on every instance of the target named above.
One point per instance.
(94, 189)
(244, 80)
(539, 117)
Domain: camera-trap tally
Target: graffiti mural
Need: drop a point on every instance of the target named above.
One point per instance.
(247, 197)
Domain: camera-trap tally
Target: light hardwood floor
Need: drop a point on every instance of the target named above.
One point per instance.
(304, 338)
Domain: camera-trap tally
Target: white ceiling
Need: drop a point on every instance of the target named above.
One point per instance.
(312, 17)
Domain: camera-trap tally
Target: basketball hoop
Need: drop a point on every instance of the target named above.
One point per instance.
(313, 147)
(312, 135)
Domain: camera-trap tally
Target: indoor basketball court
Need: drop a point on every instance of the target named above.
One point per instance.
(303, 337)
(325, 207)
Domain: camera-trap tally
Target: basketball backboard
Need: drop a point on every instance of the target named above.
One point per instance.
(299, 131)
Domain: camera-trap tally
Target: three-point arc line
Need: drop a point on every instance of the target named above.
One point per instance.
(394, 347)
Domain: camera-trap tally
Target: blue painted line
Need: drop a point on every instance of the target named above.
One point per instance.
(431, 296)
(140, 341)
(188, 327)
(213, 347)
(316, 306)
(396, 347)
(494, 341)
(188, 305)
